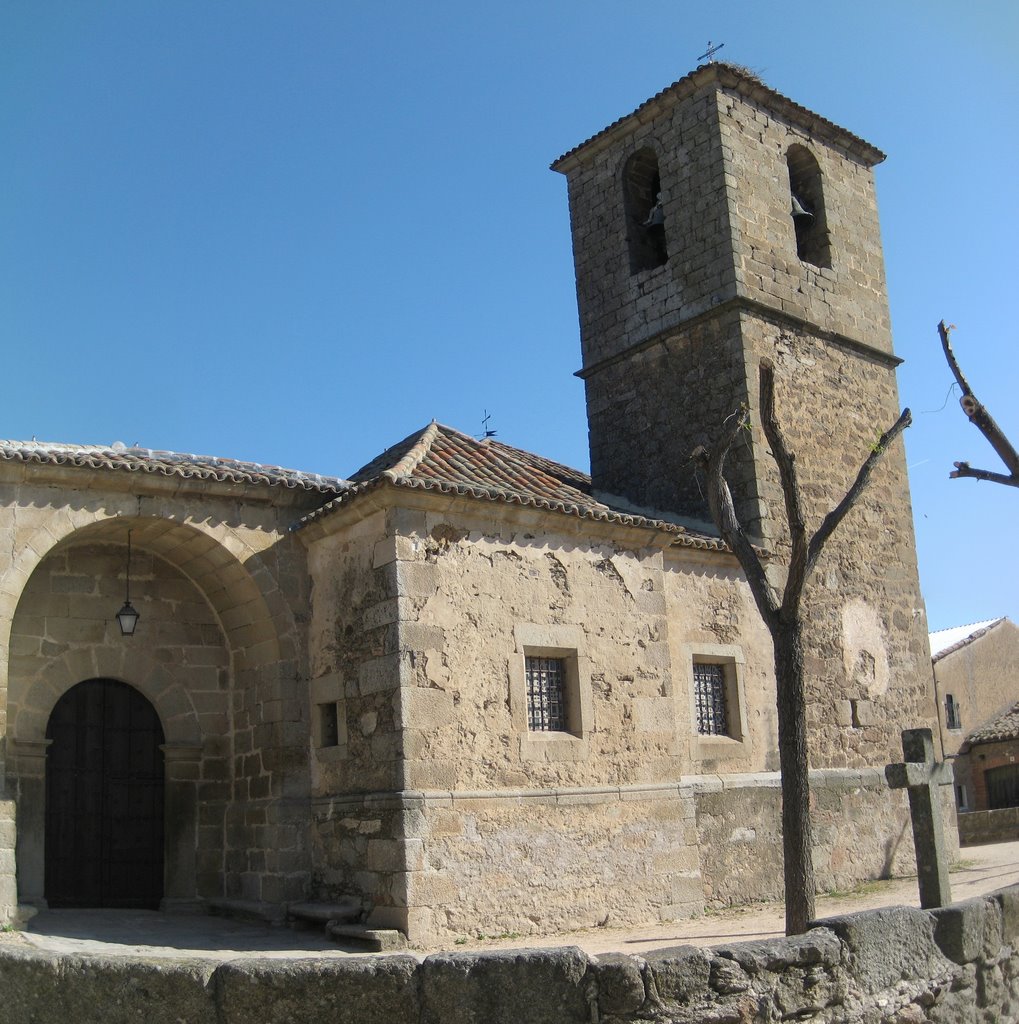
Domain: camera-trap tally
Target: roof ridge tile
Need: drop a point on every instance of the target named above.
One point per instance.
(415, 455)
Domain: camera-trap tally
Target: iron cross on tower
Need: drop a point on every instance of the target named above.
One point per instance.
(709, 54)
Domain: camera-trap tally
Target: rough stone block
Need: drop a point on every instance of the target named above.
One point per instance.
(959, 929)
(372, 990)
(680, 974)
(416, 579)
(485, 988)
(620, 983)
(818, 946)
(425, 707)
(42, 988)
(1008, 900)
(888, 946)
(379, 674)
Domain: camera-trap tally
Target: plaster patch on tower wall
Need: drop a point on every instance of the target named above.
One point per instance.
(864, 654)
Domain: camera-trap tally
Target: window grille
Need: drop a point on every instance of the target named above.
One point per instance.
(709, 696)
(546, 688)
(953, 716)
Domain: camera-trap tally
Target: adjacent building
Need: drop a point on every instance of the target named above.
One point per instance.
(976, 674)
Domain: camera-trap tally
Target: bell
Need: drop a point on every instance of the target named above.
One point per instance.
(656, 216)
(799, 210)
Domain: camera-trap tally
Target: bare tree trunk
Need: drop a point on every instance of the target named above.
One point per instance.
(797, 831)
(784, 620)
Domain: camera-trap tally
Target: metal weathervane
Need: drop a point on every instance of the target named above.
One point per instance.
(709, 54)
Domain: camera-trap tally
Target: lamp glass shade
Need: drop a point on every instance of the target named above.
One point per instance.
(128, 619)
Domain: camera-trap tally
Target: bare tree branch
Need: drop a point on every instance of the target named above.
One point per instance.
(837, 514)
(964, 469)
(723, 512)
(983, 421)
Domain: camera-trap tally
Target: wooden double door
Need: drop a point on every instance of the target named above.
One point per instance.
(104, 799)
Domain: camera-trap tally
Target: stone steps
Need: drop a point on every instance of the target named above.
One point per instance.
(373, 940)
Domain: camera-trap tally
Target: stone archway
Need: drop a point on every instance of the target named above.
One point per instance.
(215, 640)
(105, 783)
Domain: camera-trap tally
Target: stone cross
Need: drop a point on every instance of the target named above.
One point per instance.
(921, 776)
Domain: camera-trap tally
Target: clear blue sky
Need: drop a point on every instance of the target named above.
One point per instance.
(295, 232)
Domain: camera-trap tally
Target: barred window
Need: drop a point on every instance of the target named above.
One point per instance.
(953, 715)
(546, 689)
(709, 698)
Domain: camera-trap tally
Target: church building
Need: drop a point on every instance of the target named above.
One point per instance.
(470, 689)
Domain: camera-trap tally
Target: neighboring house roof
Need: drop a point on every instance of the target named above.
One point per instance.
(946, 641)
(997, 730)
(144, 460)
(441, 459)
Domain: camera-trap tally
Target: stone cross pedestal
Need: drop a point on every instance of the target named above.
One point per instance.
(920, 775)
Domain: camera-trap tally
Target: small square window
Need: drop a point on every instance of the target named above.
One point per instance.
(709, 699)
(546, 694)
(329, 724)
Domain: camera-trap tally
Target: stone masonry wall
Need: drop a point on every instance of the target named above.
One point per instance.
(662, 401)
(958, 965)
(528, 831)
(528, 862)
(488, 590)
(357, 829)
(861, 831)
(979, 827)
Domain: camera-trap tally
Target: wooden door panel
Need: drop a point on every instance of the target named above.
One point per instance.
(104, 788)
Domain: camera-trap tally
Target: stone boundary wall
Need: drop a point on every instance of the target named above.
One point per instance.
(979, 827)
(897, 965)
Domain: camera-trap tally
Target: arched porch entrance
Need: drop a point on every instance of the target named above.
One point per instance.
(104, 799)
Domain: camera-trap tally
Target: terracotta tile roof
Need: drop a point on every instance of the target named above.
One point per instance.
(1004, 727)
(441, 459)
(145, 460)
(948, 641)
(736, 77)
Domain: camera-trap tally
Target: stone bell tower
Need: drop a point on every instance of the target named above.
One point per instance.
(690, 266)
(719, 224)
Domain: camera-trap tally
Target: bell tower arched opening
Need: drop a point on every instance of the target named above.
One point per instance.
(645, 215)
(806, 195)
